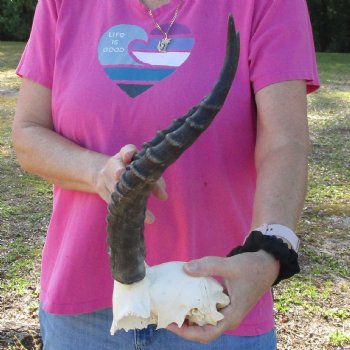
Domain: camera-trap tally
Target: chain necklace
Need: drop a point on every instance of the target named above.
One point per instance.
(163, 43)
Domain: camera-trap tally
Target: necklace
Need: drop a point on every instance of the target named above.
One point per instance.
(163, 43)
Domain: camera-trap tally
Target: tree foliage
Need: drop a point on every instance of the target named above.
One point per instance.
(330, 21)
(16, 18)
(331, 24)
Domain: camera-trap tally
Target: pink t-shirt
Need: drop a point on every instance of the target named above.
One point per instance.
(111, 87)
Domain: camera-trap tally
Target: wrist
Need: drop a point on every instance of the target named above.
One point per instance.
(269, 262)
(287, 257)
(96, 173)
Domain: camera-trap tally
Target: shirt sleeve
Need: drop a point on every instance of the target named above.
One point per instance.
(38, 59)
(281, 46)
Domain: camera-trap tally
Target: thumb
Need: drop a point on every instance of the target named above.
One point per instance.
(209, 266)
(127, 152)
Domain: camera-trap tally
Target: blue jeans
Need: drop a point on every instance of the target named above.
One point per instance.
(91, 332)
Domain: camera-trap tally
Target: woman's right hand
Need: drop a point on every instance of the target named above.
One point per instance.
(113, 169)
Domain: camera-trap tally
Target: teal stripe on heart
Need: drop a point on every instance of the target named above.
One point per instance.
(137, 74)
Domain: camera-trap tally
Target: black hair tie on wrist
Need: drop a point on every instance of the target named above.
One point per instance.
(287, 257)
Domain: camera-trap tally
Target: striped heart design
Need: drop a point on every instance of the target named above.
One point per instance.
(129, 56)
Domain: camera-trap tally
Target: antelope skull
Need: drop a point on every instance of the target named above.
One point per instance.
(148, 295)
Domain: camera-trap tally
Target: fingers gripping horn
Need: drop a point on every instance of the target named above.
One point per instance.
(126, 211)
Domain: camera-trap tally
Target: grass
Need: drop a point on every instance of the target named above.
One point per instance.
(10, 53)
(324, 264)
(25, 202)
(319, 296)
(20, 259)
(321, 292)
(301, 292)
(334, 69)
(339, 339)
(337, 314)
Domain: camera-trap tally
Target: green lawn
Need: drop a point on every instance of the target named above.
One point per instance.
(312, 309)
(10, 53)
(334, 67)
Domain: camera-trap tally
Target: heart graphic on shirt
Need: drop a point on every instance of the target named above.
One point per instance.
(130, 57)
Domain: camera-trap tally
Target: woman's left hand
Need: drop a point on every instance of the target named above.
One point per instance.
(247, 277)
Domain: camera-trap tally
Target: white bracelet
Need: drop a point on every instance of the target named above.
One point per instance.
(280, 231)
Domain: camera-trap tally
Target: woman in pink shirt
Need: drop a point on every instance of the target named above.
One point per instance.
(99, 79)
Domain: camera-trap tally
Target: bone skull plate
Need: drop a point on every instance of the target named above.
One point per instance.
(167, 295)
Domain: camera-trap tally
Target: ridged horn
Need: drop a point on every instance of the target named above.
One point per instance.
(126, 211)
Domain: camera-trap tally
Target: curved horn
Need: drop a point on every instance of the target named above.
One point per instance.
(128, 205)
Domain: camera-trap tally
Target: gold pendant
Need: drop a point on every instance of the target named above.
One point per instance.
(163, 44)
